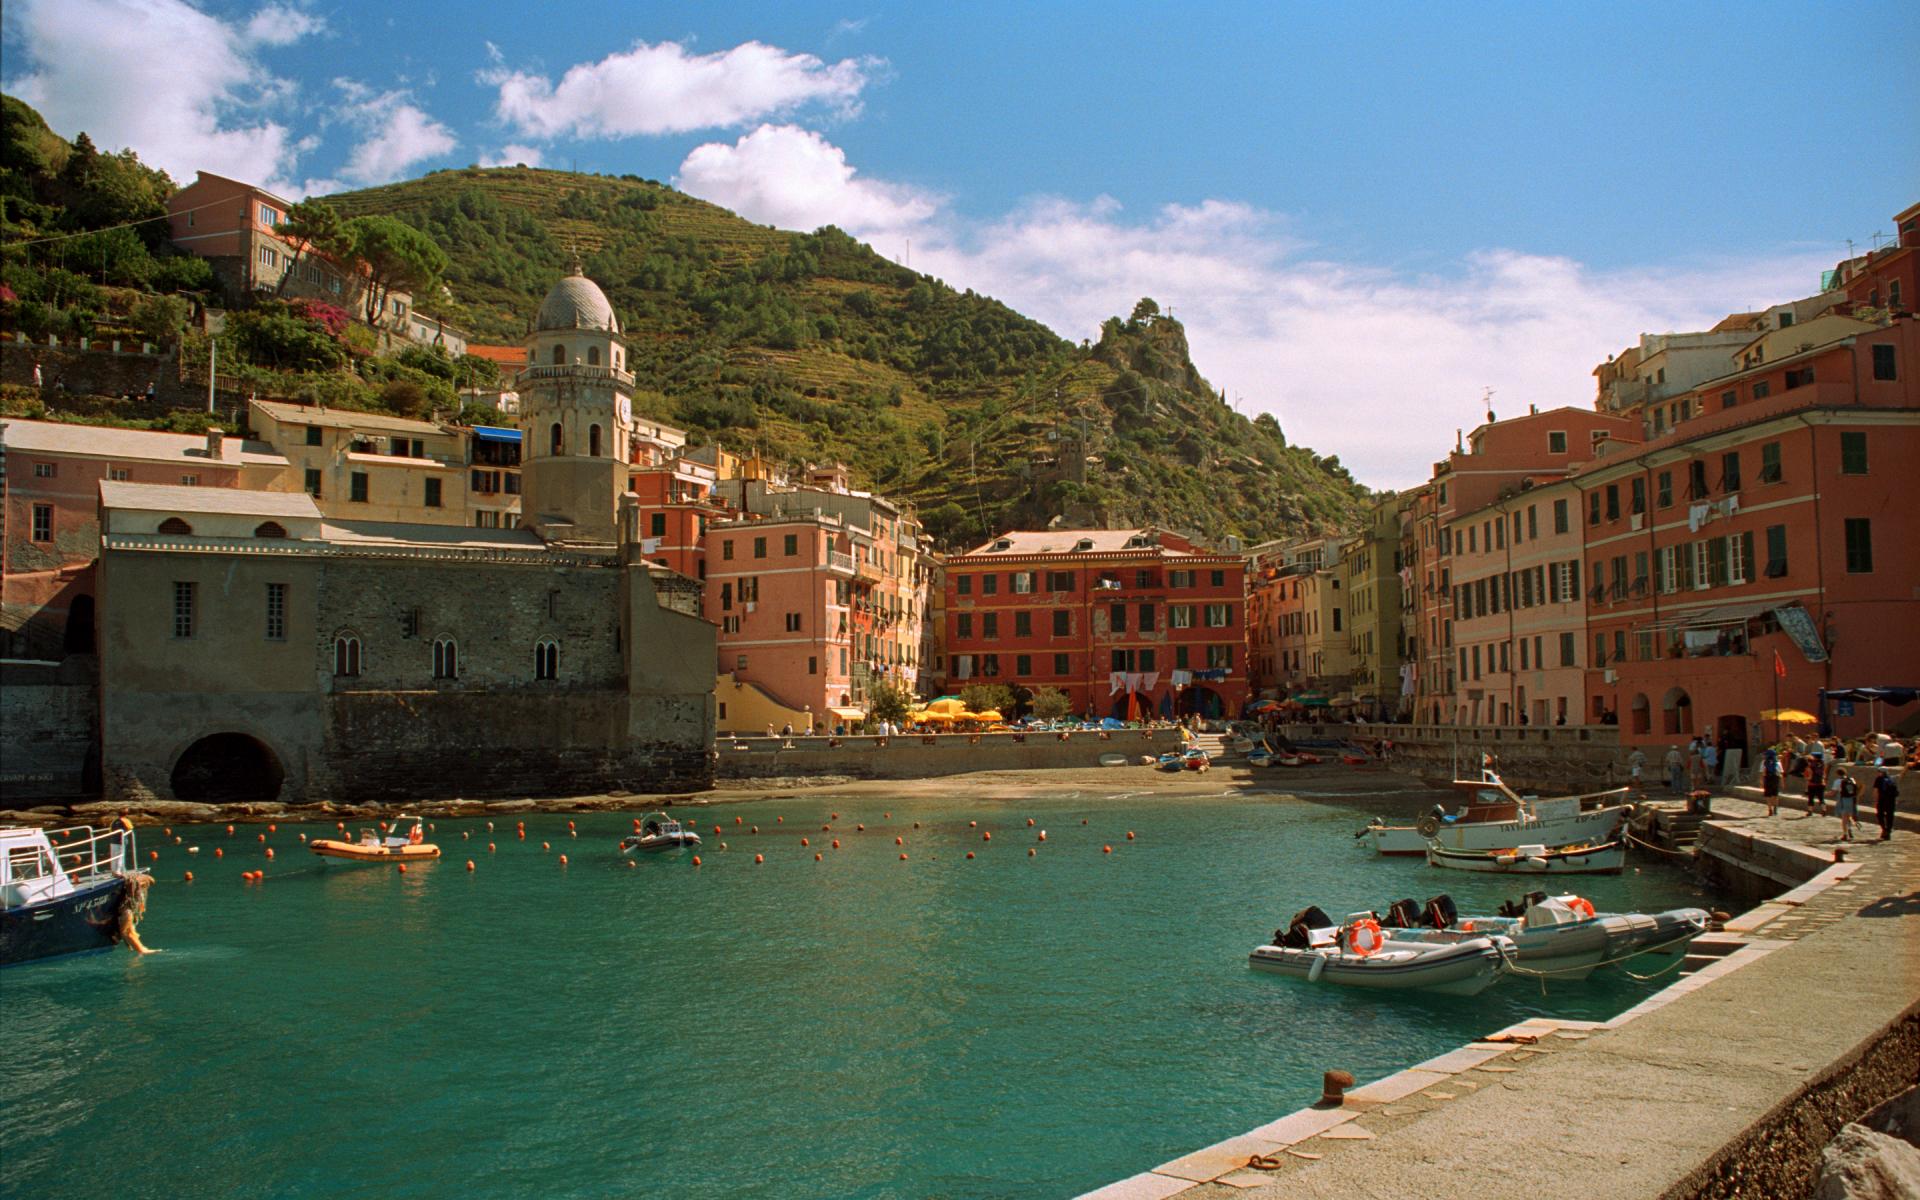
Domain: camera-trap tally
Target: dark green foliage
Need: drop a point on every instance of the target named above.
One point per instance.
(888, 701)
(404, 397)
(271, 336)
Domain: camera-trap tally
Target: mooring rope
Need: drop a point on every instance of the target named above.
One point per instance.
(1512, 963)
(1638, 841)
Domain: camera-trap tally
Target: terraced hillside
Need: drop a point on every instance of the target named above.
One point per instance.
(812, 346)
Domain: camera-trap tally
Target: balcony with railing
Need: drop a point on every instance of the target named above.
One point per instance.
(578, 372)
(840, 563)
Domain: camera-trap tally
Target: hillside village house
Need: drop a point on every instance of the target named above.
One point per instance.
(1297, 614)
(1376, 644)
(1126, 622)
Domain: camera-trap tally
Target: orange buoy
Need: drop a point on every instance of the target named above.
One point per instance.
(572, 833)
(1083, 820)
(779, 820)
(522, 834)
(1031, 852)
(631, 864)
(303, 837)
(273, 829)
(899, 842)
(563, 860)
(973, 824)
(229, 831)
(219, 853)
(269, 853)
(489, 826)
(469, 864)
(1029, 822)
(969, 854)
(816, 858)
(987, 836)
(167, 832)
(403, 868)
(756, 829)
(189, 877)
(1129, 835)
(696, 860)
(916, 824)
(836, 843)
(464, 835)
(153, 856)
(723, 845)
(836, 816)
(903, 858)
(569, 824)
(342, 826)
(261, 836)
(805, 842)
(546, 845)
(887, 816)
(489, 847)
(739, 821)
(1106, 849)
(1043, 835)
(759, 858)
(859, 828)
(826, 828)
(716, 829)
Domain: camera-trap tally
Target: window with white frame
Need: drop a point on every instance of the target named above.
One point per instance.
(1219, 616)
(1668, 569)
(446, 659)
(1737, 556)
(1022, 582)
(546, 659)
(346, 655)
(1702, 565)
(1180, 616)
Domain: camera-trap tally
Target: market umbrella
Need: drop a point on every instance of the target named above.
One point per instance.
(1133, 706)
(1789, 716)
(992, 714)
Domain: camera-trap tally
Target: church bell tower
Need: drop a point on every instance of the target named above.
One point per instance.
(576, 417)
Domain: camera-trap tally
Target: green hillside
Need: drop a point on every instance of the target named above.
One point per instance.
(812, 346)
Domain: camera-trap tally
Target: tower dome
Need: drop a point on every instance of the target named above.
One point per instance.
(576, 302)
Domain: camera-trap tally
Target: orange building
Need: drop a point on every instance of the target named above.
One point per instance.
(1121, 620)
(1763, 546)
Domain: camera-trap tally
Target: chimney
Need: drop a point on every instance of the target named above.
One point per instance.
(216, 439)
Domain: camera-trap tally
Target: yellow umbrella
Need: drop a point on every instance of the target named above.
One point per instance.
(949, 705)
(992, 714)
(1789, 716)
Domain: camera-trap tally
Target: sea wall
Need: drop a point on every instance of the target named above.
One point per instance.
(916, 756)
(1750, 867)
(1568, 758)
(49, 718)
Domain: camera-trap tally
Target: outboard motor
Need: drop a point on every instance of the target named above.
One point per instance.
(1441, 914)
(1402, 914)
(1518, 908)
(1299, 932)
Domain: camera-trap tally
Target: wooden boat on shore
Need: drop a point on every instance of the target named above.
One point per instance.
(1360, 954)
(1608, 858)
(1495, 817)
(374, 847)
(76, 891)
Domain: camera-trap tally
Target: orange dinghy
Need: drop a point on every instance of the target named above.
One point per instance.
(373, 848)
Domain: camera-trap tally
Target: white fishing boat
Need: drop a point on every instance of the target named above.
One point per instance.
(1360, 954)
(1495, 817)
(68, 892)
(1561, 937)
(656, 832)
(1607, 858)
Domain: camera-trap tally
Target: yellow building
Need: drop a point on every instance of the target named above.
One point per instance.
(1370, 563)
(370, 467)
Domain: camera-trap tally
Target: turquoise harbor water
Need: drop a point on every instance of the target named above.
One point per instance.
(858, 1027)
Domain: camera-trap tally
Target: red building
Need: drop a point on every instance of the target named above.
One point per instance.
(1115, 618)
(1767, 539)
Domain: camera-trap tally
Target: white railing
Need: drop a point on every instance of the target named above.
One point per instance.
(97, 856)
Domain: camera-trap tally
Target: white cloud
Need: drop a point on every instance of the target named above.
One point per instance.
(794, 178)
(1367, 363)
(397, 133)
(181, 87)
(512, 155)
(282, 25)
(659, 88)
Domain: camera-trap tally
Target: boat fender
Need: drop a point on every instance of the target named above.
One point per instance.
(1582, 906)
(1364, 937)
(1319, 966)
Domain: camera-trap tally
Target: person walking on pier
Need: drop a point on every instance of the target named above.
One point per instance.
(1886, 794)
(1770, 779)
(1676, 771)
(1816, 782)
(1846, 803)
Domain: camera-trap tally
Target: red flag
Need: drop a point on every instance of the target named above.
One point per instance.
(1779, 665)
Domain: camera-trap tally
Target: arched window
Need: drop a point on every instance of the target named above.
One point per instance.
(346, 655)
(546, 659)
(557, 441)
(175, 525)
(446, 661)
(593, 440)
(559, 356)
(270, 529)
(593, 356)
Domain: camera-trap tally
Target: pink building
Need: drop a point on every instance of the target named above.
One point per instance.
(52, 498)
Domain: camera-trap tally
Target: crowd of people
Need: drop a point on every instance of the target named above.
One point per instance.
(1836, 773)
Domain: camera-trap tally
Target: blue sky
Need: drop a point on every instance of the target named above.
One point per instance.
(1393, 207)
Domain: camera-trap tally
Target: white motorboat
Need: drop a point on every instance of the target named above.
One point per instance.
(1495, 817)
(657, 831)
(1557, 936)
(1359, 954)
(1607, 858)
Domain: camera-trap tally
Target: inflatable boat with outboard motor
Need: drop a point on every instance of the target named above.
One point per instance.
(1360, 953)
(1560, 936)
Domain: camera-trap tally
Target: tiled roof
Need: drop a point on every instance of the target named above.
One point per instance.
(158, 497)
(146, 445)
(338, 418)
(1061, 541)
(392, 533)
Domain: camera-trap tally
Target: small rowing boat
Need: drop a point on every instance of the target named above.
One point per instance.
(1494, 817)
(377, 846)
(1608, 858)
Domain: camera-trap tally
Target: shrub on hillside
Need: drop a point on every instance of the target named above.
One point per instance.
(272, 336)
(404, 397)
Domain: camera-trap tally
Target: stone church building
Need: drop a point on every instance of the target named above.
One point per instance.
(251, 648)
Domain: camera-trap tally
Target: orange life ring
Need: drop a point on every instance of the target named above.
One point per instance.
(1364, 937)
(415, 838)
(1582, 906)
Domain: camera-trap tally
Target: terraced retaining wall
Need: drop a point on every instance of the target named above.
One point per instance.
(915, 756)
